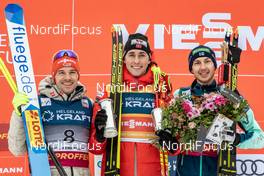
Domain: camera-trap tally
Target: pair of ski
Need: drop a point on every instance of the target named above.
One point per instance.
(112, 165)
(227, 78)
(36, 146)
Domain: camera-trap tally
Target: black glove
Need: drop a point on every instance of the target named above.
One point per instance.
(167, 141)
(237, 139)
(100, 123)
(234, 55)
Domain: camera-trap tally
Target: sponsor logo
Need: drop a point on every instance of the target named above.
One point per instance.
(47, 116)
(139, 43)
(34, 128)
(65, 115)
(78, 117)
(249, 167)
(133, 124)
(99, 164)
(85, 103)
(67, 62)
(187, 36)
(3, 137)
(139, 104)
(11, 170)
(71, 156)
(45, 101)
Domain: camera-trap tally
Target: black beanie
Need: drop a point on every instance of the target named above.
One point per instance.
(201, 51)
(137, 41)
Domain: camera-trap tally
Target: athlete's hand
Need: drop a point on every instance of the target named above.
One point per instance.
(19, 100)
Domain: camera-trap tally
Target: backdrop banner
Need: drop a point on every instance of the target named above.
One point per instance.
(173, 28)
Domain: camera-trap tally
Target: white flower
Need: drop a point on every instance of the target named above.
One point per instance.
(191, 125)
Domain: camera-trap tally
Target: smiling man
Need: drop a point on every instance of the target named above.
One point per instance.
(141, 76)
(137, 62)
(202, 64)
(65, 73)
(67, 117)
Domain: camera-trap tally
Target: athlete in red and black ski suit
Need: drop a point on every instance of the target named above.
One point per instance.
(137, 155)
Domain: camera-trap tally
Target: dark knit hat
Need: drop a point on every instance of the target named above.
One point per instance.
(137, 41)
(201, 51)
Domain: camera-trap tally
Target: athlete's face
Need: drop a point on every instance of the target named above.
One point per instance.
(203, 70)
(66, 79)
(137, 62)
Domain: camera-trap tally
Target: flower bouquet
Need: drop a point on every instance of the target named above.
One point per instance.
(185, 114)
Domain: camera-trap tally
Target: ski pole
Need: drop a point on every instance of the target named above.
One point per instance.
(8, 76)
(56, 162)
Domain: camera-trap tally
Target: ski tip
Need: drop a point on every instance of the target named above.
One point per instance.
(236, 33)
(14, 13)
(116, 29)
(113, 29)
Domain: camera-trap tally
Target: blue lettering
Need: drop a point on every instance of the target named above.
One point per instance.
(26, 80)
(23, 68)
(19, 40)
(20, 49)
(27, 89)
(20, 59)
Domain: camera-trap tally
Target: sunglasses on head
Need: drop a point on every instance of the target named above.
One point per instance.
(63, 53)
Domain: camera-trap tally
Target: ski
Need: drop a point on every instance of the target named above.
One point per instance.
(18, 41)
(113, 144)
(164, 157)
(227, 158)
(119, 96)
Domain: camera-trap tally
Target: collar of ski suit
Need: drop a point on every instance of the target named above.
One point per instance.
(143, 80)
(198, 89)
(48, 88)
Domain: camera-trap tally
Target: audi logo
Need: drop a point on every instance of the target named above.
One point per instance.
(250, 167)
